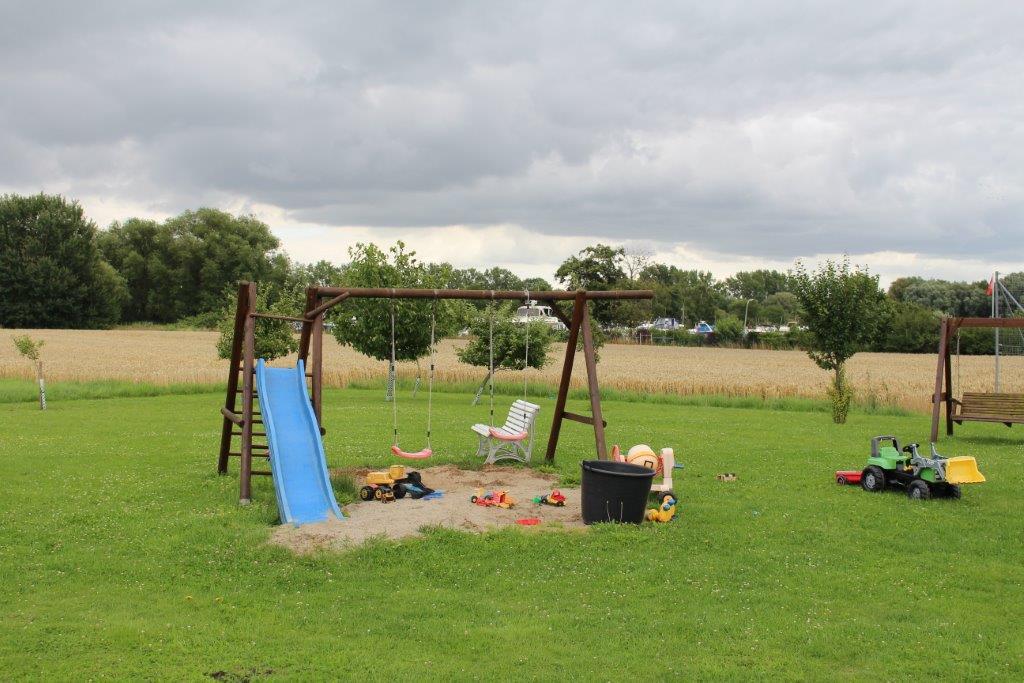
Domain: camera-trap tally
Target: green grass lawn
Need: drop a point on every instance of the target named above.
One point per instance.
(124, 555)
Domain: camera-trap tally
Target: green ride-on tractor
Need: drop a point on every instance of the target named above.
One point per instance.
(922, 477)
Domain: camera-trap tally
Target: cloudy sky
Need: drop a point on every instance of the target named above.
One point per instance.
(714, 135)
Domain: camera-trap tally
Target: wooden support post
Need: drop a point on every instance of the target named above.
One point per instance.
(318, 362)
(307, 327)
(590, 359)
(241, 315)
(563, 384)
(248, 361)
(949, 382)
(939, 377)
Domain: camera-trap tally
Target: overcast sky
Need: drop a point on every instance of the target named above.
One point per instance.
(718, 135)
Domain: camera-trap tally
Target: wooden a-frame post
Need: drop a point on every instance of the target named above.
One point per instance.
(942, 376)
(580, 321)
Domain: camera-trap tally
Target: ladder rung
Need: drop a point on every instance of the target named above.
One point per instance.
(253, 434)
(242, 391)
(259, 447)
(263, 473)
(255, 455)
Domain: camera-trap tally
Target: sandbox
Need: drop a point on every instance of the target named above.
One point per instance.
(407, 517)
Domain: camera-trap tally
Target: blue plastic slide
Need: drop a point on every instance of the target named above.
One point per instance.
(297, 459)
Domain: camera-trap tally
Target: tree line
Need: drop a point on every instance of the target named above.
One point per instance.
(58, 269)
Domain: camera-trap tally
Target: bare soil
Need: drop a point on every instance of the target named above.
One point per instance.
(408, 517)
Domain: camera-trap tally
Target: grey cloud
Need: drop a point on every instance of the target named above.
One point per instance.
(740, 128)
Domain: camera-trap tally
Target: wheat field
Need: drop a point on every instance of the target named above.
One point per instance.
(168, 357)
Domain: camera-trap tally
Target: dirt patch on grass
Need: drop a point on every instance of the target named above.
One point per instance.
(407, 517)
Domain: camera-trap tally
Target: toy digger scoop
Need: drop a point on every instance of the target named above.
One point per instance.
(963, 470)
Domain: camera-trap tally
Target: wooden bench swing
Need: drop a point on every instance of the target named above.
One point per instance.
(238, 420)
(973, 406)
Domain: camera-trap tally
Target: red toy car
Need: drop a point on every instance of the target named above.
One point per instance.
(844, 477)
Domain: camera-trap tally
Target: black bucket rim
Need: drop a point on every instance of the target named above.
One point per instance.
(618, 469)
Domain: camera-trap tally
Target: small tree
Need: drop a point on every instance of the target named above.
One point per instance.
(273, 338)
(842, 309)
(509, 344)
(365, 324)
(30, 348)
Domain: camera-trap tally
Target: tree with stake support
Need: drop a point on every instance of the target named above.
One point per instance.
(30, 348)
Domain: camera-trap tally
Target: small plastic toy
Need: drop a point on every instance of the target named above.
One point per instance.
(726, 476)
(666, 509)
(394, 484)
(554, 498)
(644, 455)
(528, 521)
(497, 499)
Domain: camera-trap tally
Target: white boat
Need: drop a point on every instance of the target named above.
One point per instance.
(532, 312)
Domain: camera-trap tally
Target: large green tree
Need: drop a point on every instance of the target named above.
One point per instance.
(51, 272)
(688, 295)
(908, 328)
(596, 268)
(757, 284)
(949, 298)
(842, 309)
(181, 267)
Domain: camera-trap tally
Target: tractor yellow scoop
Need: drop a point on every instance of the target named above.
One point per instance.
(963, 470)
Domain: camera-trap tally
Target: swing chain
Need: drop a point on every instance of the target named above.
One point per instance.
(430, 377)
(526, 355)
(393, 377)
(490, 356)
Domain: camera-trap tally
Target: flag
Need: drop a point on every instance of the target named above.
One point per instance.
(991, 286)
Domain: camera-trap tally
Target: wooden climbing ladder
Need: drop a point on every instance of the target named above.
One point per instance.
(244, 422)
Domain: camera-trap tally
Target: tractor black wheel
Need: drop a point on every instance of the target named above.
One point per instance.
(366, 493)
(919, 490)
(873, 479)
(378, 493)
(953, 491)
(399, 491)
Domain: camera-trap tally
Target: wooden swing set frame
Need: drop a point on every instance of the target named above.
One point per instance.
(239, 421)
(990, 407)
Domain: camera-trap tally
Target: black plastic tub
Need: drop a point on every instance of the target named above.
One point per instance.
(615, 491)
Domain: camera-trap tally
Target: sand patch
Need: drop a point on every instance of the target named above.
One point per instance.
(407, 517)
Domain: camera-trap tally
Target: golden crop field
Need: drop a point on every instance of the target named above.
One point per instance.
(165, 357)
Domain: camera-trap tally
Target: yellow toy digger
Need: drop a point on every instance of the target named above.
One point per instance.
(395, 483)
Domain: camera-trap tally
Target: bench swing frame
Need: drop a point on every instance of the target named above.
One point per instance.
(240, 420)
(944, 373)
